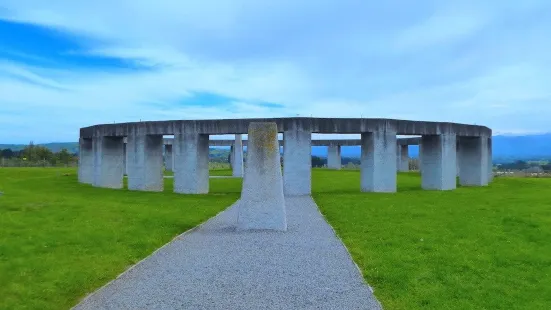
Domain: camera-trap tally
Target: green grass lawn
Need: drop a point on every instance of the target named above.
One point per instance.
(472, 248)
(60, 240)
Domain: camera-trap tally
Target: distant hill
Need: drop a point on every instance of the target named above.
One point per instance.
(505, 148)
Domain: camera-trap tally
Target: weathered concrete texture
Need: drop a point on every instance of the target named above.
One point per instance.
(439, 162)
(404, 158)
(311, 124)
(334, 157)
(217, 267)
(473, 161)
(125, 160)
(191, 163)
(398, 157)
(262, 202)
(237, 156)
(169, 157)
(145, 162)
(86, 161)
(378, 162)
(297, 162)
(108, 162)
(490, 161)
(325, 142)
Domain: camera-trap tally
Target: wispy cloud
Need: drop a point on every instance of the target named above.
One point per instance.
(471, 62)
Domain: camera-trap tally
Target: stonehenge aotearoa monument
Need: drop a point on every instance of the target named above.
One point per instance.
(262, 203)
(102, 151)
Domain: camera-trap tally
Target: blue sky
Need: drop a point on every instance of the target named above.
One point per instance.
(69, 64)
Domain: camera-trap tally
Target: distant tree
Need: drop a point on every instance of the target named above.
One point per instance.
(64, 157)
(7, 153)
(318, 161)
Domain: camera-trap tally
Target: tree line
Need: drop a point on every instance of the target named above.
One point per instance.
(35, 155)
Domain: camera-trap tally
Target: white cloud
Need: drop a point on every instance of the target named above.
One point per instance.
(407, 60)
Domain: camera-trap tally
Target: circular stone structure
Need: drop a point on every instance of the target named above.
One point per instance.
(445, 149)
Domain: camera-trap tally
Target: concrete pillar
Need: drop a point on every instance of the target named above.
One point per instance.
(473, 161)
(125, 160)
(169, 157)
(191, 163)
(108, 161)
(262, 203)
(85, 161)
(458, 153)
(334, 157)
(237, 157)
(398, 157)
(490, 161)
(231, 157)
(145, 162)
(404, 158)
(439, 162)
(378, 162)
(297, 162)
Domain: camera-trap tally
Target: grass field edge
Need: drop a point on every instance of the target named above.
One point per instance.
(182, 235)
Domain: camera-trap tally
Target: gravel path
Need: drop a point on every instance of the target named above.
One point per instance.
(216, 267)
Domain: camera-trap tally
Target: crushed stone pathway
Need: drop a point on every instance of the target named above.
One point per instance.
(216, 267)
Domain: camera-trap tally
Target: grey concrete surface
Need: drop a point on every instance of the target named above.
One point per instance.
(439, 162)
(473, 161)
(191, 163)
(237, 156)
(378, 162)
(108, 161)
(86, 161)
(404, 158)
(334, 160)
(169, 157)
(262, 203)
(312, 124)
(217, 267)
(145, 162)
(297, 162)
(489, 162)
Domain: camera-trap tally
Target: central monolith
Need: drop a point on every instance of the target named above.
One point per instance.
(262, 204)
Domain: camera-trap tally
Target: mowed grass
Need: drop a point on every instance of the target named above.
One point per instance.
(472, 248)
(60, 240)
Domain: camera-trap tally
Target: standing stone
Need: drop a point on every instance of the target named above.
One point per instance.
(191, 163)
(85, 161)
(237, 157)
(404, 158)
(262, 204)
(439, 162)
(334, 157)
(108, 161)
(297, 162)
(169, 158)
(473, 161)
(145, 162)
(378, 162)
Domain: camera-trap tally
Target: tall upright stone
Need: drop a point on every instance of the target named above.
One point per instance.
(439, 162)
(237, 157)
(262, 203)
(145, 162)
(108, 161)
(473, 161)
(86, 161)
(191, 163)
(404, 158)
(169, 158)
(378, 161)
(334, 157)
(297, 162)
